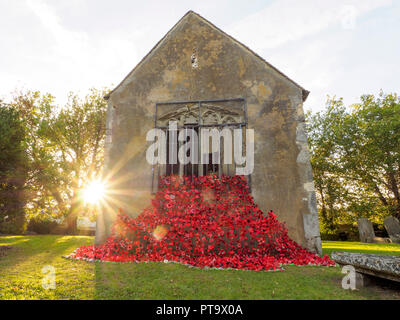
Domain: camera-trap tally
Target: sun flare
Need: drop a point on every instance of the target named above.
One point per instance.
(94, 192)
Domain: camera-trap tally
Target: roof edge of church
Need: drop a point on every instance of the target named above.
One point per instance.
(305, 92)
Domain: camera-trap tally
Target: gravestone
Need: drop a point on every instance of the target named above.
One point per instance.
(366, 230)
(392, 226)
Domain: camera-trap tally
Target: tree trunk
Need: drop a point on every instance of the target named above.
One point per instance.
(72, 216)
(72, 219)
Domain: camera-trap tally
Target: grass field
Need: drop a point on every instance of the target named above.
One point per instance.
(21, 276)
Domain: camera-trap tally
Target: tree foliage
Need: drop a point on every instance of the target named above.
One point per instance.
(13, 170)
(355, 155)
(65, 150)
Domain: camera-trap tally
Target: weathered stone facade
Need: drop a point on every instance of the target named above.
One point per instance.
(198, 61)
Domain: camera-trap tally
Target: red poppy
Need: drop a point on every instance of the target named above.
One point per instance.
(210, 222)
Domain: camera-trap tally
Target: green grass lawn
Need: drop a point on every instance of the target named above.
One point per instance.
(378, 248)
(21, 276)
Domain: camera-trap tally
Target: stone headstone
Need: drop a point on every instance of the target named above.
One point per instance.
(392, 226)
(366, 230)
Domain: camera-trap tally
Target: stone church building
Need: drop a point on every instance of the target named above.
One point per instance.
(197, 75)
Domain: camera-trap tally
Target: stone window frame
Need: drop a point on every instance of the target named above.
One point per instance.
(162, 123)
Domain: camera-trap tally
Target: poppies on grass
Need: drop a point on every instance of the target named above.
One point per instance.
(204, 222)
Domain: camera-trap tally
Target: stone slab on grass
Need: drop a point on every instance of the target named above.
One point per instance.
(382, 266)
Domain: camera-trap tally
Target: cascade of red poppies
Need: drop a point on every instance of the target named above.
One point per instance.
(204, 222)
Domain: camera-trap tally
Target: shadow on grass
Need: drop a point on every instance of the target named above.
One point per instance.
(20, 277)
(47, 246)
(21, 271)
(24, 247)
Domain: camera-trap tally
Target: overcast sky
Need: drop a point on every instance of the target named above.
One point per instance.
(343, 48)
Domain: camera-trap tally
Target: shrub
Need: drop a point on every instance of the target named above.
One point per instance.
(13, 171)
(13, 224)
(42, 226)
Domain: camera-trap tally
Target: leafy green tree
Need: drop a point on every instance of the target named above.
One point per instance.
(77, 134)
(13, 170)
(45, 175)
(322, 130)
(355, 155)
(370, 150)
(65, 147)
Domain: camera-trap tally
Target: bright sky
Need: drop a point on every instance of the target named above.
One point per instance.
(343, 48)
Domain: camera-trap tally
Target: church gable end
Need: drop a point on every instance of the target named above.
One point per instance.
(198, 63)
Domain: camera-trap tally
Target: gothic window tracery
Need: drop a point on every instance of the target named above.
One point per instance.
(228, 114)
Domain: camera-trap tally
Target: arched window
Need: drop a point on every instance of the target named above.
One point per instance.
(199, 117)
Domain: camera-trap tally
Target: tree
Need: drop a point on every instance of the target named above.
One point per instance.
(322, 131)
(65, 147)
(355, 155)
(370, 149)
(78, 134)
(13, 170)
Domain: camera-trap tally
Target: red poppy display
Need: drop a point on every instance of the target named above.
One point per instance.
(203, 222)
